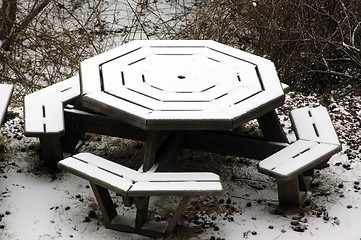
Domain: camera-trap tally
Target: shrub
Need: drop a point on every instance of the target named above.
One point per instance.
(315, 44)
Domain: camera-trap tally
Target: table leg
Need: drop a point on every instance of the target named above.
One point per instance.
(142, 205)
(288, 192)
(51, 150)
(105, 203)
(271, 127)
(150, 153)
(161, 149)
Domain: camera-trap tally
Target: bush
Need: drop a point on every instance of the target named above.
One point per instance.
(43, 41)
(315, 44)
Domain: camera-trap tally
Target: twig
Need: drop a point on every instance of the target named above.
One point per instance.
(81, 25)
(29, 18)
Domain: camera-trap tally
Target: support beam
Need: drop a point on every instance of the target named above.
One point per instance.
(271, 127)
(105, 202)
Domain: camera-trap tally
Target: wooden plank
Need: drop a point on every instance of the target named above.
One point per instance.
(288, 192)
(271, 127)
(254, 107)
(107, 165)
(65, 90)
(324, 125)
(296, 158)
(105, 203)
(283, 156)
(171, 82)
(146, 89)
(188, 120)
(96, 175)
(303, 125)
(177, 177)
(307, 160)
(175, 188)
(51, 150)
(43, 115)
(33, 114)
(151, 147)
(53, 116)
(314, 124)
(245, 70)
(116, 108)
(186, 106)
(214, 92)
(142, 205)
(229, 143)
(5, 95)
(100, 124)
(178, 213)
(89, 68)
(43, 109)
(128, 97)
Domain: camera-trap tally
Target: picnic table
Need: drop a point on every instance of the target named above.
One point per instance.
(174, 95)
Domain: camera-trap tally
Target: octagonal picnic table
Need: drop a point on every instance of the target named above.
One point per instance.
(172, 95)
(165, 86)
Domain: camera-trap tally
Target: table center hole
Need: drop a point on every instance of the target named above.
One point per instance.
(181, 77)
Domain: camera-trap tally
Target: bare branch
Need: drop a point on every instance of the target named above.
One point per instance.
(6, 44)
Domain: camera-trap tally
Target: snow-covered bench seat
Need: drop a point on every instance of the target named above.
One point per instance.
(6, 91)
(136, 187)
(51, 115)
(43, 109)
(44, 115)
(293, 166)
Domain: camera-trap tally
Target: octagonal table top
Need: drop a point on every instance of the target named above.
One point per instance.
(180, 84)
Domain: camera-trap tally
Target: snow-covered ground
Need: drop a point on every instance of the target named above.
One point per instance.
(36, 203)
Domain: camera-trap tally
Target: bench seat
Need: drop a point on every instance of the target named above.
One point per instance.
(136, 187)
(316, 143)
(297, 158)
(43, 110)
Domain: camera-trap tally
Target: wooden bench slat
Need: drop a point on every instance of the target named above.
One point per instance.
(310, 159)
(43, 110)
(177, 176)
(259, 104)
(43, 116)
(314, 124)
(296, 158)
(324, 125)
(106, 101)
(184, 115)
(104, 175)
(122, 179)
(96, 175)
(245, 70)
(66, 90)
(232, 97)
(108, 165)
(174, 188)
(288, 152)
(90, 73)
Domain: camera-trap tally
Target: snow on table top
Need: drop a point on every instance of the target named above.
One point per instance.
(179, 80)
